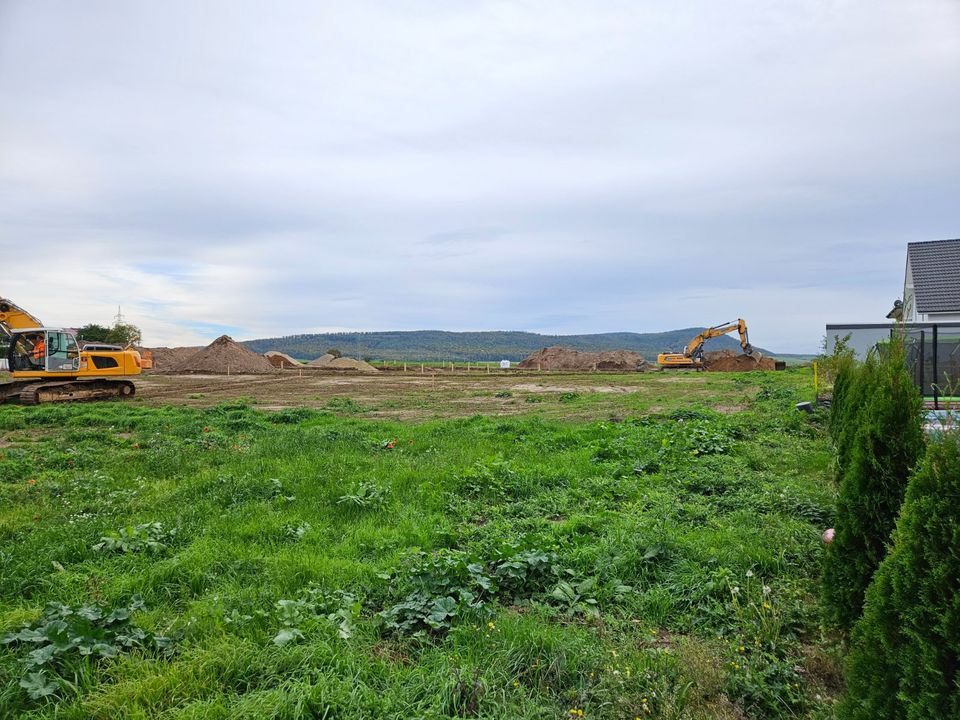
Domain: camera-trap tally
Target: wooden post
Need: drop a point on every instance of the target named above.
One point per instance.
(421, 368)
(404, 367)
(816, 381)
(538, 367)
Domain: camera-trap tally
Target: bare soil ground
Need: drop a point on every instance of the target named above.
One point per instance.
(419, 397)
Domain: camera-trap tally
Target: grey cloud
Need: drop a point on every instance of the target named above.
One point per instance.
(560, 166)
(466, 235)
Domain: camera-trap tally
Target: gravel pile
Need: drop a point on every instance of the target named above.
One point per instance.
(341, 363)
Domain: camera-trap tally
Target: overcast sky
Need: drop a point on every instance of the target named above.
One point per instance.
(270, 168)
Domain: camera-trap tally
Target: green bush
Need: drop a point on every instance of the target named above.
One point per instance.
(882, 443)
(906, 648)
(846, 401)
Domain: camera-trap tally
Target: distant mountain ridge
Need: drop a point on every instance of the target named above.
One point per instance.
(440, 345)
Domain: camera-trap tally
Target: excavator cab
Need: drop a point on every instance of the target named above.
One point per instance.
(44, 350)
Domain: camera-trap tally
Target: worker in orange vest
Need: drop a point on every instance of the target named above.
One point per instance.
(39, 351)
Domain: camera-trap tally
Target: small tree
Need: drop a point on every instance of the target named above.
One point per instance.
(850, 379)
(882, 441)
(335, 352)
(124, 334)
(93, 333)
(905, 654)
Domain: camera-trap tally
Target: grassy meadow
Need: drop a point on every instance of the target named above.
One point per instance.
(231, 562)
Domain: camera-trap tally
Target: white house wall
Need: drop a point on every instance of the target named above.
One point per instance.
(909, 298)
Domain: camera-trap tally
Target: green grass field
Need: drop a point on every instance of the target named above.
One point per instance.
(226, 562)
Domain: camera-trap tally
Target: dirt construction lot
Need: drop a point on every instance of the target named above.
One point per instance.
(418, 397)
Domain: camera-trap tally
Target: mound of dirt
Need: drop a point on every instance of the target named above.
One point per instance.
(280, 360)
(224, 356)
(322, 361)
(730, 361)
(342, 363)
(562, 358)
(165, 358)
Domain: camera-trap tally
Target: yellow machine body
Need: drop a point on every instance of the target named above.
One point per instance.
(677, 360)
(63, 359)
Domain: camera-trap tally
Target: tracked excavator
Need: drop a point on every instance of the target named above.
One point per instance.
(692, 355)
(48, 365)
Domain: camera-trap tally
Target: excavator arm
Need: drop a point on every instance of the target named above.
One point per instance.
(694, 346)
(14, 317)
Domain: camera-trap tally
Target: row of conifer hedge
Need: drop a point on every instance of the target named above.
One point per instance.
(892, 573)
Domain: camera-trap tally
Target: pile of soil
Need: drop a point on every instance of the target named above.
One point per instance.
(341, 363)
(224, 356)
(562, 358)
(280, 360)
(323, 360)
(730, 361)
(165, 358)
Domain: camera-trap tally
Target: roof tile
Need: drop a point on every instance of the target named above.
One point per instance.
(936, 275)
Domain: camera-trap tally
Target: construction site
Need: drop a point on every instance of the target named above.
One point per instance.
(51, 365)
(226, 370)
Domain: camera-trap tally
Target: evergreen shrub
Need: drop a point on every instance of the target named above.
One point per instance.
(906, 649)
(881, 441)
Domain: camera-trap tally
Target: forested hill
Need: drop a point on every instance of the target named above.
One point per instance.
(432, 345)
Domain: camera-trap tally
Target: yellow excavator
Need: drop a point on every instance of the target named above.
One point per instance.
(48, 365)
(692, 355)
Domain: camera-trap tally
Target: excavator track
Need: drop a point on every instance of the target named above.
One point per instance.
(77, 390)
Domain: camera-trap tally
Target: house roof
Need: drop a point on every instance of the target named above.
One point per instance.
(935, 266)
